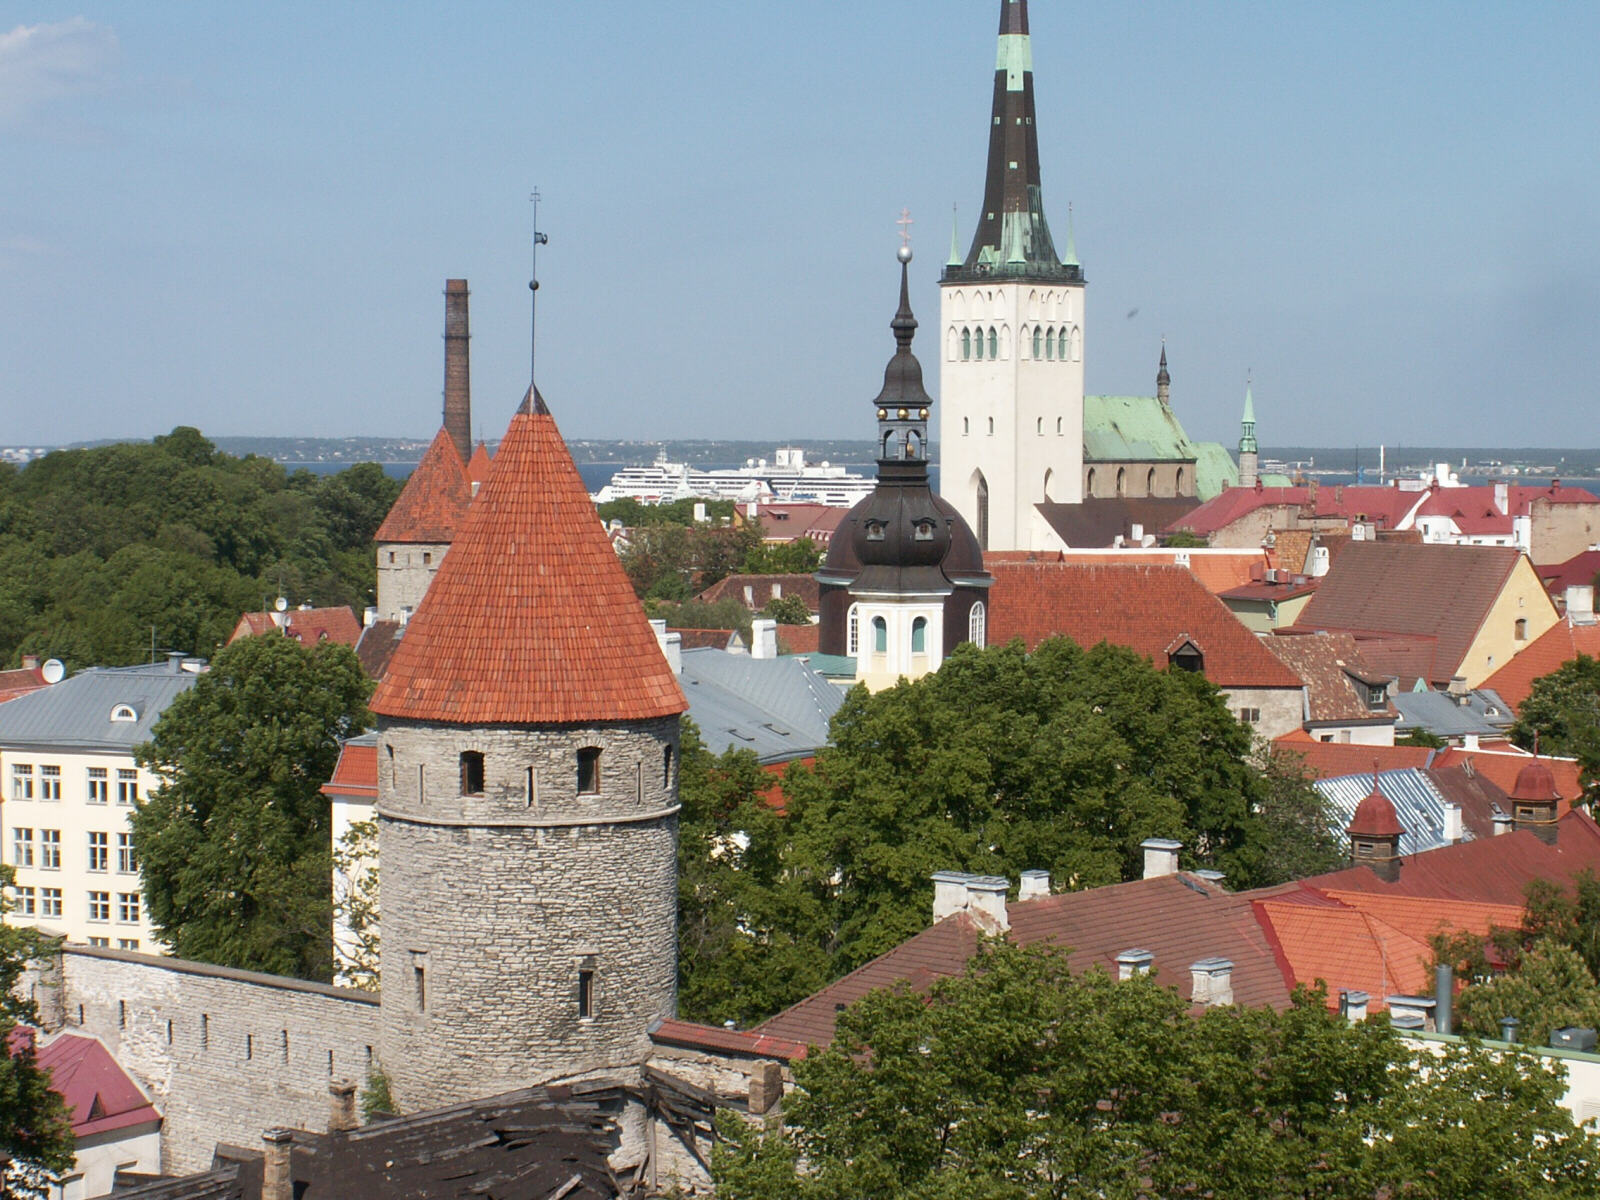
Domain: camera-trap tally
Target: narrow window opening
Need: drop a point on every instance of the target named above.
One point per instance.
(880, 635)
(249, 1046)
(472, 772)
(122, 1014)
(422, 783)
(638, 782)
(589, 769)
(169, 1032)
(532, 786)
(966, 344)
(420, 975)
(285, 1035)
(919, 636)
(994, 343)
(205, 1031)
(586, 992)
(666, 766)
(330, 1064)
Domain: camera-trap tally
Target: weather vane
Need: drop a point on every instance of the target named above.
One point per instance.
(539, 239)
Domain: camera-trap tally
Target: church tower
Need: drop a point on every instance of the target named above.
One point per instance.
(527, 799)
(1248, 461)
(1011, 332)
(903, 583)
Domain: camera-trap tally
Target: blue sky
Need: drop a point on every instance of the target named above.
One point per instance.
(241, 217)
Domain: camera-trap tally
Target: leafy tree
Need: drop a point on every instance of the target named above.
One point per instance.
(787, 610)
(1296, 822)
(355, 904)
(674, 562)
(234, 844)
(1551, 987)
(636, 514)
(727, 613)
(1185, 539)
(800, 556)
(1422, 737)
(1018, 1080)
(35, 1128)
(1563, 713)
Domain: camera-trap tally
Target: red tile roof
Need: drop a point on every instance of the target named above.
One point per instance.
(1559, 644)
(356, 773)
(434, 499)
(1146, 608)
(308, 626)
(1422, 917)
(20, 682)
(673, 1032)
(1438, 591)
(1387, 507)
(478, 467)
(531, 618)
(99, 1094)
(799, 639)
(1577, 571)
(790, 522)
(1502, 768)
(1218, 570)
(1332, 760)
(378, 643)
(1330, 664)
(1345, 948)
(1181, 919)
(763, 589)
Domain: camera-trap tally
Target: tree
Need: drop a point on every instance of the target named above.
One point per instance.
(1563, 713)
(1184, 539)
(35, 1128)
(234, 844)
(799, 556)
(1019, 1080)
(1551, 987)
(1297, 823)
(356, 905)
(787, 610)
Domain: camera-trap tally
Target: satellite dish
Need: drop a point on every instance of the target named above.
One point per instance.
(53, 670)
(281, 604)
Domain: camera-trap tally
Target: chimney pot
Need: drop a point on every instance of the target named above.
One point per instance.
(1503, 823)
(1160, 857)
(1134, 962)
(986, 901)
(1580, 602)
(1212, 982)
(1508, 1029)
(1033, 884)
(1444, 995)
(763, 638)
(949, 893)
(1454, 827)
(1212, 876)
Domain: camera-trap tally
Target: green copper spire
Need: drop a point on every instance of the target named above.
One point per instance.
(955, 239)
(1247, 439)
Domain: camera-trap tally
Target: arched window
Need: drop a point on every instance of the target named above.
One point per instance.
(1058, 426)
(994, 343)
(1178, 483)
(991, 426)
(1150, 483)
(913, 444)
(983, 504)
(1088, 483)
(1522, 629)
(919, 636)
(977, 625)
(952, 344)
(880, 635)
(966, 344)
(1077, 343)
(589, 769)
(1048, 476)
(1122, 481)
(1038, 342)
(852, 632)
(1050, 345)
(888, 438)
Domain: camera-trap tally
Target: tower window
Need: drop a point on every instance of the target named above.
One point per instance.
(966, 344)
(1038, 342)
(420, 974)
(924, 531)
(994, 343)
(991, 426)
(977, 625)
(472, 772)
(1150, 483)
(919, 636)
(1522, 629)
(880, 635)
(666, 766)
(586, 992)
(1038, 426)
(1122, 481)
(1050, 345)
(1058, 426)
(1088, 483)
(589, 769)
(852, 636)
(875, 531)
(966, 426)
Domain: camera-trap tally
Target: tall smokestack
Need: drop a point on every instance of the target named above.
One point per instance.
(457, 374)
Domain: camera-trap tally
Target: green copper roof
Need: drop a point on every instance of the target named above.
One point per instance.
(1247, 438)
(1142, 429)
(1249, 407)
(955, 240)
(1214, 469)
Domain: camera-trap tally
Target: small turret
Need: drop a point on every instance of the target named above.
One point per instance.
(1375, 832)
(1535, 800)
(1248, 460)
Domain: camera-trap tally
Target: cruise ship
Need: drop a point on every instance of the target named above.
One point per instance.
(787, 478)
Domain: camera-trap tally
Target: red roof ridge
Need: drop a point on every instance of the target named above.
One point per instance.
(434, 499)
(530, 619)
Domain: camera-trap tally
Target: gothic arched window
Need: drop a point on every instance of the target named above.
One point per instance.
(852, 634)
(1122, 481)
(1038, 342)
(1088, 483)
(966, 344)
(1150, 483)
(1050, 345)
(977, 624)
(994, 343)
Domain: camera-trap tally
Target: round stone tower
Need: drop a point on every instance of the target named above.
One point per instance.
(527, 799)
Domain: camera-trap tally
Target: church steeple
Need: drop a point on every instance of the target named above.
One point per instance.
(1248, 459)
(1013, 239)
(903, 404)
(1163, 379)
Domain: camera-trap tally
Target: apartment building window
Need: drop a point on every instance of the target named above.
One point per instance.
(133, 944)
(127, 861)
(127, 786)
(99, 851)
(22, 781)
(99, 786)
(103, 943)
(50, 902)
(1250, 716)
(50, 849)
(27, 902)
(50, 781)
(128, 907)
(22, 847)
(99, 906)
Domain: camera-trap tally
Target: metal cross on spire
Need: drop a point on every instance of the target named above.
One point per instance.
(905, 222)
(539, 239)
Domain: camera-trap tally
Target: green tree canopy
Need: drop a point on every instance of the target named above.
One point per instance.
(1563, 713)
(1018, 1080)
(234, 844)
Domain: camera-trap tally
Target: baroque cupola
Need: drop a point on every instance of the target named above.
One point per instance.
(1375, 832)
(1535, 800)
(903, 582)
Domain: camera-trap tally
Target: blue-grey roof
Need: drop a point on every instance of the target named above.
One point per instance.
(778, 708)
(75, 714)
(832, 666)
(1484, 713)
(1417, 802)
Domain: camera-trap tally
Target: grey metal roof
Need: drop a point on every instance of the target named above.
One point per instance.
(1417, 802)
(75, 714)
(778, 708)
(1484, 713)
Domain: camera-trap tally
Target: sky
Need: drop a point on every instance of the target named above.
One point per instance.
(241, 217)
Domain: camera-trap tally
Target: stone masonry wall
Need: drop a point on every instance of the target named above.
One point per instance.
(494, 903)
(405, 570)
(225, 1054)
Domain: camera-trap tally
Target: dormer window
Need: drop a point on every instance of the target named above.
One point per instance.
(1377, 695)
(924, 531)
(875, 531)
(1186, 656)
(124, 712)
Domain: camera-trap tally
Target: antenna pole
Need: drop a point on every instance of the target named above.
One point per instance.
(539, 239)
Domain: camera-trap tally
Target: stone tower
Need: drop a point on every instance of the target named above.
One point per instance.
(527, 799)
(1248, 468)
(1011, 330)
(903, 583)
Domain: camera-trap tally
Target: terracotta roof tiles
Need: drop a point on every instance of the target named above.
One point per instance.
(1332, 760)
(1556, 646)
(1331, 665)
(434, 499)
(356, 772)
(530, 618)
(1502, 767)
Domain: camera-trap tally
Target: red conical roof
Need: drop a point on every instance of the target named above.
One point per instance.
(434, 499)
(478, 466)
(1537, 783)
(530, 619)
(1375, 816)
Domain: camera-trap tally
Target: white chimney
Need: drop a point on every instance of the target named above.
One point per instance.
(1353, 1005)
(1210, 875)
(369, 617)
(1160, 857)
(986, 901)
(1212, 982)
(700, 512)
(671, 645)
(949, 894)
(1411, 1012)
(763, 638)
(1033, 885)
(1134, 962)
(1580, 603)
(1453, 825)
(1503, 823)
(1319, 561)
(1502, 497)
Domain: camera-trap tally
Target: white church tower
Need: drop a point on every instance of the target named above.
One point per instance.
(1011, 318)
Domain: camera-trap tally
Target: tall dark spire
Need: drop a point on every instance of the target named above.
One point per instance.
(903, 403)
(1164, 379)
(1013, 239)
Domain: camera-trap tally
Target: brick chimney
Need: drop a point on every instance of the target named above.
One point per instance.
(457, 376)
